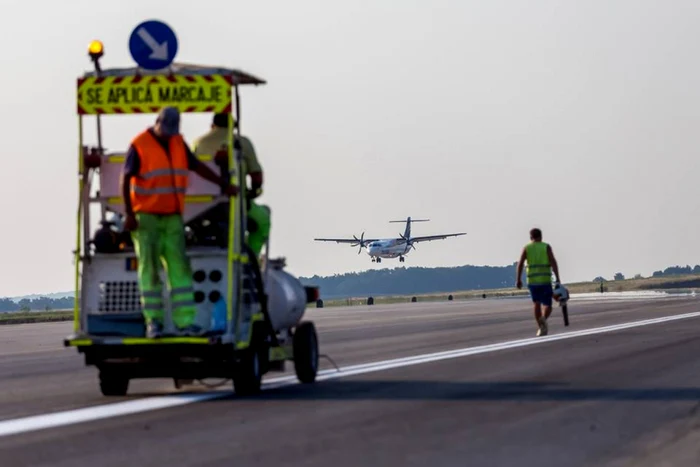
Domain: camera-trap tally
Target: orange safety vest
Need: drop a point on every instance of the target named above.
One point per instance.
(162, 181)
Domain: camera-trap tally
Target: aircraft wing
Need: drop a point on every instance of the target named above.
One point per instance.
(430, 238)
(345, 240)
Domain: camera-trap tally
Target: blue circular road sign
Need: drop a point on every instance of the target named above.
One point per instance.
(153, 45)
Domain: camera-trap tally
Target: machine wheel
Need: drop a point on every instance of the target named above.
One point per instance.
(248, 376)
(249, 371)
(305, 343)
(113, 384)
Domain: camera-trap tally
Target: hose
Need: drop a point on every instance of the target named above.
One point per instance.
(225, 381)
(212, 386)
(327, 357)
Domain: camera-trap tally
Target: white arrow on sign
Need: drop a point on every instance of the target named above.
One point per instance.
(158, 51)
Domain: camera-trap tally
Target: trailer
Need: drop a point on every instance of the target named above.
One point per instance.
(251, 311)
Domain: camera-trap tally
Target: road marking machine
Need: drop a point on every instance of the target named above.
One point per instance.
(251, 312)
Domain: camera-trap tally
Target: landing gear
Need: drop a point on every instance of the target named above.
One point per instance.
(379, 260)
(401, 259)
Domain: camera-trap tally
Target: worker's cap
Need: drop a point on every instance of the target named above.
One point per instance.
(169, 119)
(221, 120)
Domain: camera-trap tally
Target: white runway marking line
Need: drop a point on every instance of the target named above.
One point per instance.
(71, 417)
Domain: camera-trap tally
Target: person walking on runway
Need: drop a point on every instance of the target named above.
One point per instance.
(540, 263)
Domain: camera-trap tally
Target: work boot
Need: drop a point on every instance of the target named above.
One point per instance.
(542, 330)
(154, 329)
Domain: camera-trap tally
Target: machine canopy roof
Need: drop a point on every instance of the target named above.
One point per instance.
(184, 69)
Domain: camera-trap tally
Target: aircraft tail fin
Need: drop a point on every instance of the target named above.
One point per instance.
(408, 221)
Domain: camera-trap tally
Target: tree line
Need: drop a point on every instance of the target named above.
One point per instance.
(417, 280)
(36, 304)
(410, 281)
(668, 272)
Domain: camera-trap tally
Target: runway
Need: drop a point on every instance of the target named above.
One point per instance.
(620, 386)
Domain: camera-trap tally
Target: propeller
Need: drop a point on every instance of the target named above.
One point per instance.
(408, 241)
(360, 241)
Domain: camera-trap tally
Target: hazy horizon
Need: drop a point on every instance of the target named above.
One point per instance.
(487, 118)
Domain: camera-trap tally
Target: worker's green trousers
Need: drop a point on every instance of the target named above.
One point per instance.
(258, 227)
(160, 240)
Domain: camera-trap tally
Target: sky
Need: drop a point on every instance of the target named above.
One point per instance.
(490, 118)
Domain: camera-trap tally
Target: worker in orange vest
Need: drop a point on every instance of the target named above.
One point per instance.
(154, 183)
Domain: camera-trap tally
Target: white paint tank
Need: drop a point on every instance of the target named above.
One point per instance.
(286, 299)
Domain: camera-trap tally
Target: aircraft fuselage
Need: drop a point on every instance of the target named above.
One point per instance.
(389, 248)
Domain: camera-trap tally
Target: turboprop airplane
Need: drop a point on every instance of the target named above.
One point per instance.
(378, 248)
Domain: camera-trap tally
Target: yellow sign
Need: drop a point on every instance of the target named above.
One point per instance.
(148, 94)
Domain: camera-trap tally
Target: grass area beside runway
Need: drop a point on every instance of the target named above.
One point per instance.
(675, 283)
(24, 317)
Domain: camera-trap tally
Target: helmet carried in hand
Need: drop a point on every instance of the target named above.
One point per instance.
(561, 294)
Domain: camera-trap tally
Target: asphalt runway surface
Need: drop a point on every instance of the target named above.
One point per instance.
(599, 392)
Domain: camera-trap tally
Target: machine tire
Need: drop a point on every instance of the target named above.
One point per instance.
(113, 384)
(247, 378)
(305, 343)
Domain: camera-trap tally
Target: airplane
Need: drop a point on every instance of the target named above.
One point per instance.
(378, 248)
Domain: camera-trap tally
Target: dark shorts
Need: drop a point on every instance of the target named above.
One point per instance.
(542, 294)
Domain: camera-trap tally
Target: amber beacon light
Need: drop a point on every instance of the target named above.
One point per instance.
(96, 49)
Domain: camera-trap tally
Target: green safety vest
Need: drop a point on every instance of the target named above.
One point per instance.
(539, 271)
